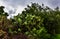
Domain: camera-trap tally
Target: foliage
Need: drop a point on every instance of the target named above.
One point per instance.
(31, 22)
(35, 22)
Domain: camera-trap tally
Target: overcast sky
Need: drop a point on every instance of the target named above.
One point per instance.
(13, 7)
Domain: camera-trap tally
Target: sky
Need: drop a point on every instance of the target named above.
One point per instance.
(13, 7)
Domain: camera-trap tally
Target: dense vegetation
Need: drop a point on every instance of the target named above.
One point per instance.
(35, 22)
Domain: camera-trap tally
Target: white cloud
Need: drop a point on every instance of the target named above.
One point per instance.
(12, 10)
(19, 9)
(16, 10)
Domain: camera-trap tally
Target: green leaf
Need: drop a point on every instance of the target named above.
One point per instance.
(19, 29)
